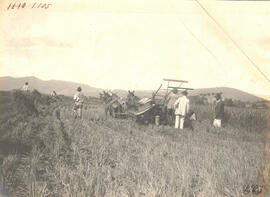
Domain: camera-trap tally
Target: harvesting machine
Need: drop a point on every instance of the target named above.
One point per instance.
(158, 109)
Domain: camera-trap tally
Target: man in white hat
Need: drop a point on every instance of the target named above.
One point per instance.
(181, 107)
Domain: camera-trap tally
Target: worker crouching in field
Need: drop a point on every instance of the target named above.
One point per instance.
(181, 107)
(219, 112)
(78, 98)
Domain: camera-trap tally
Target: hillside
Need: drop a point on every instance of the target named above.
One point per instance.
(61, 87)
(235, 94)
(232, 93)
(68, 88)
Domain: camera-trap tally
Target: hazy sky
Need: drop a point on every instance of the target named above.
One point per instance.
(134, 44)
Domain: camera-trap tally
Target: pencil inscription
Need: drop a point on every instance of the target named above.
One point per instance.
(36, 5)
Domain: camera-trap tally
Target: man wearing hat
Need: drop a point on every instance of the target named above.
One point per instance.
(78, 98)
(181, 107)
(219, 111)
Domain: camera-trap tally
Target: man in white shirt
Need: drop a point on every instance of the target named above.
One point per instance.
(25, 87)
(181, 107)
(78, 98)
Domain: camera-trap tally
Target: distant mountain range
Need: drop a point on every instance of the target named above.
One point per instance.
(232, 93)
(68, 88)
(61, 87)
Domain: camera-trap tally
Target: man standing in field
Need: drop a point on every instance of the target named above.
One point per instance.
(26, 87)
(78, 98)
(181, 107)
(219, 111)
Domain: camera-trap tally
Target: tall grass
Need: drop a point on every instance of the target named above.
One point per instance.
(101, 156)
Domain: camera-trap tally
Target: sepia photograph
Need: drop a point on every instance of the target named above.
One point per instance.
(134, 98)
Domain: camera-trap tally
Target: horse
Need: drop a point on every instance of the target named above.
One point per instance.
(112, 103)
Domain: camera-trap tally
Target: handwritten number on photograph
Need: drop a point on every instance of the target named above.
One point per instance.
(36, 5)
